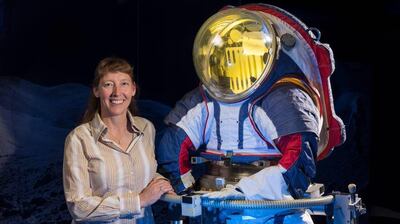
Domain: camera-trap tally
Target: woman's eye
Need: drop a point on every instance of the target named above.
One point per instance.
(125, 83)
(108, 84)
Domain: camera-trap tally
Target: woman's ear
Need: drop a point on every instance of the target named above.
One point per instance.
(133, 89)
(95, 92)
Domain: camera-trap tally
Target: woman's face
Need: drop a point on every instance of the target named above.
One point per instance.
(115, 91)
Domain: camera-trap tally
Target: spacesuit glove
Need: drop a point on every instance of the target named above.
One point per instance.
(267, 184)
(229, 192)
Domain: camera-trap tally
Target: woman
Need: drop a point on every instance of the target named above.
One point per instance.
(109, 171)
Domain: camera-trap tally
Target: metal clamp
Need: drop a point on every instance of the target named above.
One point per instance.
(197, 160)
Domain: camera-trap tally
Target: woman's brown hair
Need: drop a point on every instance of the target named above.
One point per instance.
(105, 66)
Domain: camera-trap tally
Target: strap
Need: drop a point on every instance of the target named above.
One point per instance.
(236, 157)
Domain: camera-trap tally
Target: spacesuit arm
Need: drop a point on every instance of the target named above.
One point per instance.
(291, 175)
(296, 120)
(298, 159)
(173, 157)
(180, 139)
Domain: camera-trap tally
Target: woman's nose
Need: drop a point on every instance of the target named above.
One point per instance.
(116, 90)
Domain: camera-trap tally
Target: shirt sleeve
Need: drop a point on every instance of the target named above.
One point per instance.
(82, 204)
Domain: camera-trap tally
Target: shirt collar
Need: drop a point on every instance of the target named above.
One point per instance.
(98, 128)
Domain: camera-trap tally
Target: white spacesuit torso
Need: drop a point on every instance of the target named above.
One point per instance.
(241, 137)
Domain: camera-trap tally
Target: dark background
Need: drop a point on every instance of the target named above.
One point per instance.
(52, 42)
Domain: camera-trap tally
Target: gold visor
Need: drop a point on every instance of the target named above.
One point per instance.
(233, 53)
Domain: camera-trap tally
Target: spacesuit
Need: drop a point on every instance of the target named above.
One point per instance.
(260, 99)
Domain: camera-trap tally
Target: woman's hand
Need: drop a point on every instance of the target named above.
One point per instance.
(153, 192)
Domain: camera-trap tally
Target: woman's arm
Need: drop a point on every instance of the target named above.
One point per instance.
(78, 193)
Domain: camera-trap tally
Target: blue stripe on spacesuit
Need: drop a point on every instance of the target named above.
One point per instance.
(242, 116)
(247, 159)
(217, 115)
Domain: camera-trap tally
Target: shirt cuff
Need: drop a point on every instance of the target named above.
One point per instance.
(130, 203)
(159, 176)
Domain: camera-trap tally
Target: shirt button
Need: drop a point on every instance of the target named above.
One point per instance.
(130, 192)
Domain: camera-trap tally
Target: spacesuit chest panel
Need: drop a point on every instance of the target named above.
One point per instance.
(230, 129)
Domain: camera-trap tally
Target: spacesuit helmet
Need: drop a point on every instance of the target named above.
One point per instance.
(234, 52)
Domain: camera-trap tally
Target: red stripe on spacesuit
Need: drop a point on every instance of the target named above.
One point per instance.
(290, 146)
(184, 160)
(253, 124)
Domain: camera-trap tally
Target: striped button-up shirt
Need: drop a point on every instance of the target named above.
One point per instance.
(102, 182)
